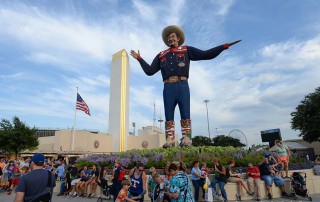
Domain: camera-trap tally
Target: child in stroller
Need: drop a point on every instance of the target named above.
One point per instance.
(298, 184)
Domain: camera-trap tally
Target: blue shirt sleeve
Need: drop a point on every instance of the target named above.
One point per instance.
(150, 69)
(197, 54)
(22, 185)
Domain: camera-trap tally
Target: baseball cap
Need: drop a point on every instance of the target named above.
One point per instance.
(37, 158)
(267, 155)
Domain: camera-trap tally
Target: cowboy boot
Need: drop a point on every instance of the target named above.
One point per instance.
(186, 139)
(169, 134)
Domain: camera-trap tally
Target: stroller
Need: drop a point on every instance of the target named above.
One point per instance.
(105, 191)
(298, 185)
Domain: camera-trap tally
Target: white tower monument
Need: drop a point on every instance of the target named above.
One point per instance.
(119, 101)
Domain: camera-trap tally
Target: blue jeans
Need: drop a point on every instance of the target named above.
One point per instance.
(196, 185)
(268, 179)
(173, 94)
(221, 185)
(62, 185)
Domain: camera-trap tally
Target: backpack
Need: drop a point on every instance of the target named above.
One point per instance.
(227, 171)
(45, 195)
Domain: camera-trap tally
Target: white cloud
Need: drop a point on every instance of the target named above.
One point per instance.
(146, 11)
(223, 6)
(14, 76)
(48, 53)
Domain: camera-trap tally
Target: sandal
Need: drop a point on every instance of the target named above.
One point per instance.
(9, 191)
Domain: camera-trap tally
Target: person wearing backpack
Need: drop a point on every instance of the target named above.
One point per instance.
(219, 178)
(36, 185)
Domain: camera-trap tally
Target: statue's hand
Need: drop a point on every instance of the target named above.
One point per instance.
(232, 43)
(135, 54)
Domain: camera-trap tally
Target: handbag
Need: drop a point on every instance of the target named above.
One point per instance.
(209, 195)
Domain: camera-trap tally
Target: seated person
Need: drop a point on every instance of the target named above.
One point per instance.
(233, 177)
(268, 175)
(75, 180)
(85, 173)
(253, 175)
(92, 181)
(278, 166)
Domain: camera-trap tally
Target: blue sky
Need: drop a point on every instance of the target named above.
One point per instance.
(48, 48)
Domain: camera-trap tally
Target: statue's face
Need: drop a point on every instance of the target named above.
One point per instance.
(173, 40)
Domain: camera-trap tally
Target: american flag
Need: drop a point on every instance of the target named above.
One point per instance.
(81, 105)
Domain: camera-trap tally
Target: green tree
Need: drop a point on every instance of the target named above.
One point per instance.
(225, 141)
(306, 118)
(17, 136)
(201, 141)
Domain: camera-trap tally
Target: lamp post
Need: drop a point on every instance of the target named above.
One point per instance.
(206, 101)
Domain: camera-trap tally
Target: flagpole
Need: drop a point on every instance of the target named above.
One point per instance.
(74, 123)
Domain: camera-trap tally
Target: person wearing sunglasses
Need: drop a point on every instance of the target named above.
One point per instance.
(138, 183)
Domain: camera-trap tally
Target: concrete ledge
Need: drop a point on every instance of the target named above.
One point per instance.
(313, 186)
(312, 182)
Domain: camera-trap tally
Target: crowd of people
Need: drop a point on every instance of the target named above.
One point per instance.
(173, 184)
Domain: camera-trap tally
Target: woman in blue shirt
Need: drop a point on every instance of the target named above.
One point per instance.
(196, 179)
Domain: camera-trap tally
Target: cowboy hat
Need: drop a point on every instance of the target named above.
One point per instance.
(173, 29)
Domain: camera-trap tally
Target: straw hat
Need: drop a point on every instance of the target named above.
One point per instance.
(173, 29)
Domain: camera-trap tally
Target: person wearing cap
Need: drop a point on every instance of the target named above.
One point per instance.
(118, 177)
(253, 175)
(174, 64)
(35, 182)
(268, 175)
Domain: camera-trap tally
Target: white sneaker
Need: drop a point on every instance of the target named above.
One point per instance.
(74, 194)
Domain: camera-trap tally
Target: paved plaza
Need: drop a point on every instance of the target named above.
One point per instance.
(5, 198)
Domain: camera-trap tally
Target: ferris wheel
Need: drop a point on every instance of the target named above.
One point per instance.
(238, 134)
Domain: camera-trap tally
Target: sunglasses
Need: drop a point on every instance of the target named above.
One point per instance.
(141, 170)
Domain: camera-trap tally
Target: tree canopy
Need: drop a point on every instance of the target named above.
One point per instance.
(17, 136)
(306, 118)
(220, 140)
(201, 141)
(225, 141)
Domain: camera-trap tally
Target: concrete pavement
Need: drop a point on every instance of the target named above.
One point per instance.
(5, 198)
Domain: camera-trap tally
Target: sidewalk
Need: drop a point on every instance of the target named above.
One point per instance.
(5, 198)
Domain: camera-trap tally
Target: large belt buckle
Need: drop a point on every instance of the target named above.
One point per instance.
(173, 79)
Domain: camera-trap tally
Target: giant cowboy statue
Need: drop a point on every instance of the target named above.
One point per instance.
(174, 64)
